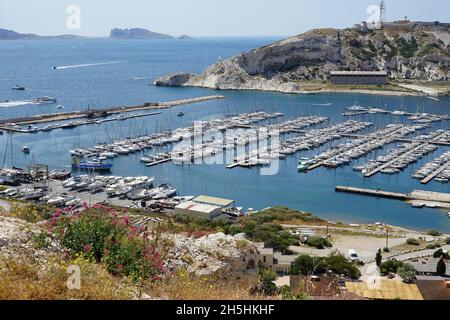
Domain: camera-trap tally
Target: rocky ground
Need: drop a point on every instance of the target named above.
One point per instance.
(213, 254)
(18, 237)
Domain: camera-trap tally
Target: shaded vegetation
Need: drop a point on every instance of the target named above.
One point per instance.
(390, 266)
(335, 262)
(407, 48)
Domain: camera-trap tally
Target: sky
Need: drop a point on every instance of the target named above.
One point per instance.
(205, 17)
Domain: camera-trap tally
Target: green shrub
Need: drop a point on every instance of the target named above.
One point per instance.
(133, 258)
(447, 240)
(413, 242)
(266, 278)
(390, 266)
(41, 240)
(319, 242)
(407, 49)
(431, 246)
(339, 264)
(440, 253)
(434, 233)
(407, 273)
(308, 265)
(335, 262)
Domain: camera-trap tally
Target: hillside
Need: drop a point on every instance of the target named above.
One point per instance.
(12, 35)
(420, 53)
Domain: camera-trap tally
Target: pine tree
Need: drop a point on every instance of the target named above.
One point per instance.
(441, 268)
(379, 258)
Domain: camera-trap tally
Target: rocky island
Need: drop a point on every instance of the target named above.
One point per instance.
(13, 35)
(405, 50)
(141, 34)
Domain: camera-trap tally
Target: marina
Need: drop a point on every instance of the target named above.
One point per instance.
(414, 117)
(438, 169)
(206, 173)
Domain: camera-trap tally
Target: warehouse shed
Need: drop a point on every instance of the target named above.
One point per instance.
(219, 202)
(359, 77)
(200, 210)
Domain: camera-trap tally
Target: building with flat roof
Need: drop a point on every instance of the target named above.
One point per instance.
(219, 202)
(199, 210)
(428, 266)
(434, 288)
(359, 77)
(385, 290)
(276, 261)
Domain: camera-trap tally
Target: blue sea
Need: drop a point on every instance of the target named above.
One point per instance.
(99, 73)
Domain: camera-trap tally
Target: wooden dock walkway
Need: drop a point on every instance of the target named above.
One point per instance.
(433, 175)
(387, 164)
(155, 163)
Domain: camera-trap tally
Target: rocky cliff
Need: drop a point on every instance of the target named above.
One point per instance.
(419, 53)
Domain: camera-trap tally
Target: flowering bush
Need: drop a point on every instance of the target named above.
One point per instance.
(103, 234)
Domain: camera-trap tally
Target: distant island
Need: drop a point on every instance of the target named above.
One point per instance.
(13, 35)
(138, 33)
(134, 33)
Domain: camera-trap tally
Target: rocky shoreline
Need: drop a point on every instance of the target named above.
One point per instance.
(417, 54)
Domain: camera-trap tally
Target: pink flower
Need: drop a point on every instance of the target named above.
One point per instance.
(86, 248)
(120, 267)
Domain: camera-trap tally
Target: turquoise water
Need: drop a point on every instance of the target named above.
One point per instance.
(30, 63)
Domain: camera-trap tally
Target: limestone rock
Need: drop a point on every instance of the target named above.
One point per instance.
(417, 54)
(213, 254)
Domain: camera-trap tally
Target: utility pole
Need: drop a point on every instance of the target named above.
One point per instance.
(382, 13)
(387, 238)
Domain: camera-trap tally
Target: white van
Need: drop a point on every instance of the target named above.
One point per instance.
(352, 255)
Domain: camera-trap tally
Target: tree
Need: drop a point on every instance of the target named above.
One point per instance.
(390, 266)
(441, 268)
(407, 273)
(339, 264)
(308, 265)
(379, 258)
(267, 277)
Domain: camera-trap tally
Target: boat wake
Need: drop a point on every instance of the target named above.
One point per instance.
(138, 78)
(9, 104)
(85, 65)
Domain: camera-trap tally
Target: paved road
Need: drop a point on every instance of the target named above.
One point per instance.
(417, 254)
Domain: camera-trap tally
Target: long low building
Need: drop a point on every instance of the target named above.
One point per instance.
(359, 77)
(214, 201)
(200, 210)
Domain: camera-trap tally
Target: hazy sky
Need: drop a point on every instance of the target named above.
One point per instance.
(207, 17)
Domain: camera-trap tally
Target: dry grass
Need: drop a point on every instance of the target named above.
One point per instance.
(22, 278)
(183, 286)
(312, 86)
